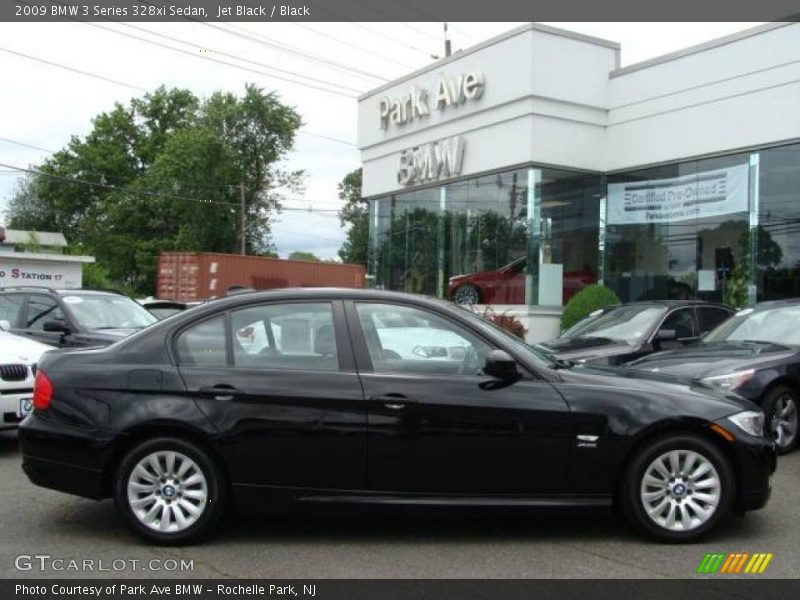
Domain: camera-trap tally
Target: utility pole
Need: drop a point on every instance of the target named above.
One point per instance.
(244, 219)
(447, 49)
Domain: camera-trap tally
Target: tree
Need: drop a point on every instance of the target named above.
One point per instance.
(164, 173)
(302, 255)
(355, 214)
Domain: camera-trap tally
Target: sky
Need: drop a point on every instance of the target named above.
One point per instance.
(42, 105)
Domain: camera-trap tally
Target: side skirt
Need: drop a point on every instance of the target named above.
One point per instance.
(281, 495)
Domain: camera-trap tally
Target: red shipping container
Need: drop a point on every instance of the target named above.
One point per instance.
(191, 276)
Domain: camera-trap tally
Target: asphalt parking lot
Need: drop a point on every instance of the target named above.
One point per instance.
(352, 544)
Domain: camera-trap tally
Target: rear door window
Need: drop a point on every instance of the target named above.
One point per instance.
(286, 336)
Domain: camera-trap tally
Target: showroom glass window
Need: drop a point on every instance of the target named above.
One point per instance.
(494, 230)
(680, 231)
(778, 234)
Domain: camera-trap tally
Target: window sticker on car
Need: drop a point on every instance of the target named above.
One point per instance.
(73, 300)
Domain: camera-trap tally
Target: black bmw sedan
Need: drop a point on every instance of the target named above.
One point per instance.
(755, 354)
(354, 397)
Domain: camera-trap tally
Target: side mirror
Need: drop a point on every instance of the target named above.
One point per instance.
(666, 334)
(56, 326)
(499, 364)
(4, 325)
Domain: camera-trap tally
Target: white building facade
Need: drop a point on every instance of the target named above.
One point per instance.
(520, 170)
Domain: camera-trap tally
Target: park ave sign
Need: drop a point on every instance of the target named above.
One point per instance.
(450, 91)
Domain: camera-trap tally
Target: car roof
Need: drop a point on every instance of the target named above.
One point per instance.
(35, 289)
(672, 303)
(776, 303)
(253, 297)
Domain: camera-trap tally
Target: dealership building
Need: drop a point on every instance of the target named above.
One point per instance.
(517, 171)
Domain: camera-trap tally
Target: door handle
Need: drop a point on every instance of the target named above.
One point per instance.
(394, 401)
(220, 392)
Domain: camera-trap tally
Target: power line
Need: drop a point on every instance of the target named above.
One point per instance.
(223, 62)
(351, 45)
(73, 69)
(151, 193)
(182, 183)
(228, 55)
(283, 48)
(26, 145)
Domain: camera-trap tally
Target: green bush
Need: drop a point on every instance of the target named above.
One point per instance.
(588, 300)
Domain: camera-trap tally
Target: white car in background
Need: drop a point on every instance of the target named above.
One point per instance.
(18, 360)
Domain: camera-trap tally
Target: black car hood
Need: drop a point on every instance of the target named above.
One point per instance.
(713, 358)
(585, 348)
(695, 398)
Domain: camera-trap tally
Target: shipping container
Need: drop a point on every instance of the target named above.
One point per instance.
(191, 276)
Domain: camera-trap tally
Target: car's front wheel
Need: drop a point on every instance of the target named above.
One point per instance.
(780, 410)
(678, 488)
(170, 491)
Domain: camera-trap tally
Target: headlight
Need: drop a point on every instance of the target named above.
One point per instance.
(731, 381)
(749, 421)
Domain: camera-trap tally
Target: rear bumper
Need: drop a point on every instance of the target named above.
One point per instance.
(64, 458)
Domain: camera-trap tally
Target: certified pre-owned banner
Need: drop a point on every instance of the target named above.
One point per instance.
(708, 194)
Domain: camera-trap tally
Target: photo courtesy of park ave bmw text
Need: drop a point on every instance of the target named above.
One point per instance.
(399, 299)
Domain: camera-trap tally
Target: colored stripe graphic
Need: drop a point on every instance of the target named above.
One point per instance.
(724, 563)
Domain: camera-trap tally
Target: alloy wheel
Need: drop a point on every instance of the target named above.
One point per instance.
(466, 294)
(167, 491)
(680, 490)
(784, 421)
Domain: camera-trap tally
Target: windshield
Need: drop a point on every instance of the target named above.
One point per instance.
(107, 311)
(518, 343)
(625, 324)
(774, 325)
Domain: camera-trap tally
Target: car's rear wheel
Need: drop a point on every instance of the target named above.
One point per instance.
(781, 413)
(170, 491)
(678, 488)
(467, 294)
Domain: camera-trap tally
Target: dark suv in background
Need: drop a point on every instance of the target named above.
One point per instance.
(620, 333)
(71, 318)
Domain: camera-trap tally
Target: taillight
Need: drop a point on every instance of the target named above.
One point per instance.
(42, 391)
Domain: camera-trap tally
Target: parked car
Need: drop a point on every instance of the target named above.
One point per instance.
(18, 360)
(331, 404)
(71, 318)
(756, 354)
(621, 333)
(161, 309)
(506, 285)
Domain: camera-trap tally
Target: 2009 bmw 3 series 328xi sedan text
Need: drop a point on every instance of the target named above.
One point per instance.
(353, 396)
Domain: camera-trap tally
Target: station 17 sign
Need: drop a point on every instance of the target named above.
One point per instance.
(18, 271)
(695, 196)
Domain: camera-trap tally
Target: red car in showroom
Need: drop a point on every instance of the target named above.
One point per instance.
(506, 285)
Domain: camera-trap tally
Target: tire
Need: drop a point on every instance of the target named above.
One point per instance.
(179, 510)
(693, 516)
(781, 405)
(467, 293)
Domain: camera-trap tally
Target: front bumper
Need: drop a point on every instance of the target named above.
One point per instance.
(15, 406)
(756, 459)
